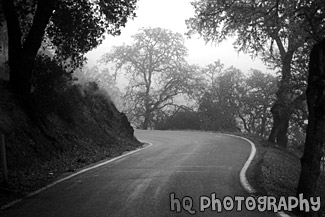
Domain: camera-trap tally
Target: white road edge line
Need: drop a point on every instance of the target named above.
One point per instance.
(243, 179)
(75, 174)
(242, 175)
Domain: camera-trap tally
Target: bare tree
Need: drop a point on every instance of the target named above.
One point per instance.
(157, 71)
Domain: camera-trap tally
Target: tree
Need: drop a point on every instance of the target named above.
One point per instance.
(219, 103)
(156, 69)
(315, 137)
(48, 77)
(212, 71)
(179, 118)
(70, 28)
(230, 100)
(104, 80)
(284, 26)
(255, 101)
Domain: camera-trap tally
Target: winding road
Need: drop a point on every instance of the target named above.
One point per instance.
(182, 170)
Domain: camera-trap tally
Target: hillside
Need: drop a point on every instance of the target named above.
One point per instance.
(63, 131)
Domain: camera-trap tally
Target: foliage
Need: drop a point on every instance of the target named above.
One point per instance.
(64, 32)
(181, 120)
(218, 106)
(232, 100)
(212, 71)
(225, 100)
(257, 96)
(96, 17)
(278, 31)
(49, 84)
(156, 69)
(68, 28)
(216, 116)
(48, 76)
(258, 23)
(64, 141)
(103, 79)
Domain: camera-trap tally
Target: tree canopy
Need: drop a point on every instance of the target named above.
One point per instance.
(277, 31)
(256, 97)
(68, 28)
(232, 100)
(259, 23)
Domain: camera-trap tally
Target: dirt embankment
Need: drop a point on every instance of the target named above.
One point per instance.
(73, 128)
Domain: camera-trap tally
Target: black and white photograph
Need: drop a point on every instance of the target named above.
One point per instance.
(160, 108)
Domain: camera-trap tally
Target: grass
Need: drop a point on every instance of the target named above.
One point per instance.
(275, 172)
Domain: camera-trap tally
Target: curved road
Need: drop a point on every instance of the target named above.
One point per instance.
(179, 165)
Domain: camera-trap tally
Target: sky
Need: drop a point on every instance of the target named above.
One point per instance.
(171, 14)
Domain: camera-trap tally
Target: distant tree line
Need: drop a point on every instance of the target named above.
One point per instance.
(166, 92)
(229, 100)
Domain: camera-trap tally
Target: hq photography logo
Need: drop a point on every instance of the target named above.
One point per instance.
(238, 203)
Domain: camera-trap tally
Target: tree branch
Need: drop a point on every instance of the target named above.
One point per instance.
(41, 19)
(14, 31)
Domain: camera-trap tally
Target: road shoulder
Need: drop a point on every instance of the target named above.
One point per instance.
(69, 175)
(271, 172)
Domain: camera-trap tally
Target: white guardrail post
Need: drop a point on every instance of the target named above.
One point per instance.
(3, 159)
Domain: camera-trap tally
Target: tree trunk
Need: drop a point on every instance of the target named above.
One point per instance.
(22, 56)
(276, 122)
(281, 110)
(145, 123)
(147, 119)
(21, 68)
(281, 116)
(263, 124)
(315, 136)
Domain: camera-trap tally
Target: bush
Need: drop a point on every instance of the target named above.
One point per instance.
(182, 120)
(11, 115)
(48, 76)
(50, 84)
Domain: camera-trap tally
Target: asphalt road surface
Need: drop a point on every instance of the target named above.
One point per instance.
(181, 174)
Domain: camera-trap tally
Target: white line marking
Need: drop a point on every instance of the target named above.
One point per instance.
(75, 174)
(242, 175)
(243, 179)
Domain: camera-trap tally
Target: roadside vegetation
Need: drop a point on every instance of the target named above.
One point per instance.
(52, 124)
(275, 171)
(71, 126)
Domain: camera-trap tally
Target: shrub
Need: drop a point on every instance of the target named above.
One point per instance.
(48, 76)
(50, 84)
(182, 120)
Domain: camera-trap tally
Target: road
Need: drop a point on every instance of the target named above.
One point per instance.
(179, 165)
